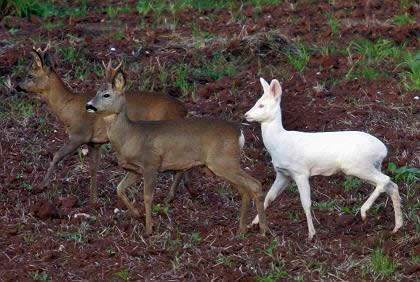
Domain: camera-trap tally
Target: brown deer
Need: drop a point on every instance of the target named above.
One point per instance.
(148, 147)
(87, 128)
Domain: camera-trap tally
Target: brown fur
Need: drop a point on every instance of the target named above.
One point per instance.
(87, 128)
(148, 147)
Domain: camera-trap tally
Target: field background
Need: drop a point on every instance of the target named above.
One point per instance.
(343, 65)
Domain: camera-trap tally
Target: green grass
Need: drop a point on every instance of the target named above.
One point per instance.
(123, 274)
(195, 237)
(411, 75)
(404, 174)
(333, 24)
(298, 59)
(70, 54)
(380, 265)
(325, 206)
(403, 19)
(351, 183)
(226, 261)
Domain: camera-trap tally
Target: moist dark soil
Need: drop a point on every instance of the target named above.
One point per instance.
(57, 235)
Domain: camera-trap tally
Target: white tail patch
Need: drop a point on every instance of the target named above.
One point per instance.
(241, 140)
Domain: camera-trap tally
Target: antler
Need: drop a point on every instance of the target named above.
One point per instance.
(40, 51)
(109, 71)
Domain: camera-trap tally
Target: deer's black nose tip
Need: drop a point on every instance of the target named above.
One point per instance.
(19, 89)
(90, 108)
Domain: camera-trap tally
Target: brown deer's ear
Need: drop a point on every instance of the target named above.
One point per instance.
(38, 62)
(118, 83)
(48, 61)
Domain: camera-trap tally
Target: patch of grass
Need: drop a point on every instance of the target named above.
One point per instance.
(298, 59)
(403, 19)
(325, 206)
(374, 52)
(351, 182)
(77, 236)
(333, 24)
(27, 8)
(13, 31)
(181, 80)
(69, 54)
(226, 261)
(404, 174)
(158, 209)
(123, 274)
(117, 35)
(39, 276)
(380, 265)
(272, 276)
(195, 237)
(113, 11)
(215, 69)
(411, 77)
(81, 72)
(415, 259)
(53, 25)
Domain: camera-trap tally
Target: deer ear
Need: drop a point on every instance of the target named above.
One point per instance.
(275, 88)
(118, 82)
(265, 85)
(38, 62)
(48, 61)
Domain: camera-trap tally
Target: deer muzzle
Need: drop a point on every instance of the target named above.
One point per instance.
(90, 108)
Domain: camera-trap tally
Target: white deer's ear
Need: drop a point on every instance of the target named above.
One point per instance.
(265, 85)
(119, 81)
(275, 88)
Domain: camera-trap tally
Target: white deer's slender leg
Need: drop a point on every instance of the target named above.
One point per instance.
(383, 184)
(375, 177)
(392, 190)
(278, 186)
(305, 197)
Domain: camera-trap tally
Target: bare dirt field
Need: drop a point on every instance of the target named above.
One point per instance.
(343, 65)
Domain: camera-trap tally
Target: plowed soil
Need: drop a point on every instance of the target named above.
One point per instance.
(57, 235)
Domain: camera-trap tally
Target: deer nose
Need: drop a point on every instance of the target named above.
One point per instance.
(19, 88)
(90, 108)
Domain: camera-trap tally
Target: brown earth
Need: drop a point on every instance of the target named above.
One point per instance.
(57, 235)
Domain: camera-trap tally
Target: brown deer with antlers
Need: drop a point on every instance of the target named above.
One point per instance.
(87, 128)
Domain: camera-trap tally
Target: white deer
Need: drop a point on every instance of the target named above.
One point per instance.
(299, 155)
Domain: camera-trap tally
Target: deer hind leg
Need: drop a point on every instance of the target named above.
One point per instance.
(247, 186)
(129, 179)
(172, 191)
(94, 154)
(64, 151)
(150, 177)
(383, 184)
(276, 189)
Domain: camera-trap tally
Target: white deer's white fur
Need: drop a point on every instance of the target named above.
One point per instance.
(299, 155)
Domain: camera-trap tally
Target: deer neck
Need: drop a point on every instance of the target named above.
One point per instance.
(272, 128)
(119, 127)
(59, 97)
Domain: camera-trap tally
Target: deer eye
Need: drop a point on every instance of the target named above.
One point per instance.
(30, 76)
(261, 106)
(106, 96)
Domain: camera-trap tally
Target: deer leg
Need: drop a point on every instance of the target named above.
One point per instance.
(276, 189)
(64, 151)
(246, 185)
(129, 179)
(188, 184)
(94, 155)
(172, 191)
(305, 197)
(150, 177)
